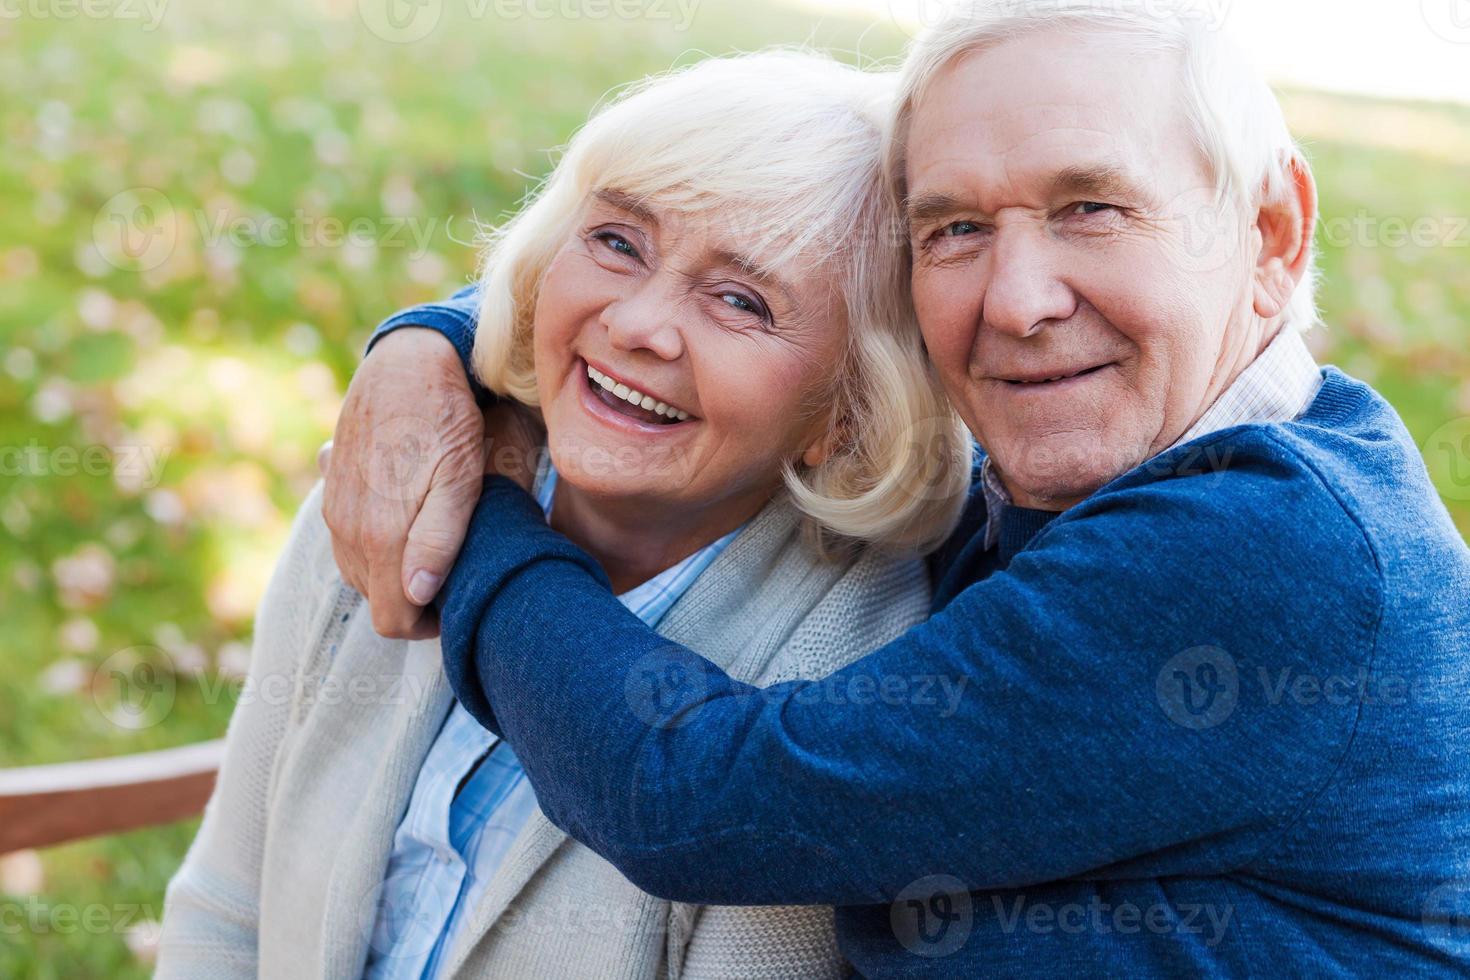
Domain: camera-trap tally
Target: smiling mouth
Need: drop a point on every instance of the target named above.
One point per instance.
(630, 402)
(1038, 381)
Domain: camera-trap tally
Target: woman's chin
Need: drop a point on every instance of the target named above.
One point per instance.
(612, 468)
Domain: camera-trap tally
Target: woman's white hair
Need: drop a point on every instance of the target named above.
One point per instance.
(786, 147)
(1236, 119)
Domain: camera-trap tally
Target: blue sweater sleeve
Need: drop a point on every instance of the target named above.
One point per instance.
(1083, 713)
(455, 318)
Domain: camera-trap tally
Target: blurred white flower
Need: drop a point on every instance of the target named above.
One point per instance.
(20, 363)
(332, 147)
(16, 517)
(238, 167)
(139, 323)
(195, 64)
(85, 577)
(399, 197)
(302, 339)
(232, 660)
(66, 677)
(49, 208)
(142, 939)
(317, 382)
(22, 873)
(19, 263)
(165, 507)
(91, 261)
(78, 635)
(97, 309)
(123, 534)
(228, 375)
(53, 403)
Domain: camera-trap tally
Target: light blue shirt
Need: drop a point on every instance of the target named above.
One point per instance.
(454, 837)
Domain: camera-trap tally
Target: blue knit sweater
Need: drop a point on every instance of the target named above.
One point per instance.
(1215, 720)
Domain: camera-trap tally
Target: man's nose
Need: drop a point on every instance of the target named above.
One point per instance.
(648, 318)
(1026, 289)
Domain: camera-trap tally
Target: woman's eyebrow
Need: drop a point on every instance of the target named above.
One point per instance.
(626, 202)
(754, 270)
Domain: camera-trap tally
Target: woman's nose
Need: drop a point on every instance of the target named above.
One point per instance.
(647, 319)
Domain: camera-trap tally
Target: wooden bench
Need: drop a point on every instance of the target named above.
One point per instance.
(45, 805)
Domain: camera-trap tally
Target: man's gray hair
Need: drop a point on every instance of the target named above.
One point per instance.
(1236, 118)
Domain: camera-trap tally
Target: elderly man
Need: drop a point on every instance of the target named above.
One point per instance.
(1206, 615)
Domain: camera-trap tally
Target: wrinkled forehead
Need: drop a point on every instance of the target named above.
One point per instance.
(1088, 103)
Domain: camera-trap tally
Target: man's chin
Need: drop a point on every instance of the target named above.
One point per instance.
(1054, 474)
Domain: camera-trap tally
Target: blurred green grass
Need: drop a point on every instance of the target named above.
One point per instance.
(227, 360)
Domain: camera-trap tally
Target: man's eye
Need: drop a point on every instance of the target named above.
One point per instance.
(959, 229)
(617, 243)
(1093, 207)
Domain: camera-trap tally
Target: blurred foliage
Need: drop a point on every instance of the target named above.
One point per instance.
(162, 399)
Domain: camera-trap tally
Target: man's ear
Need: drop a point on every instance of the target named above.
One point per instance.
(1284, 227)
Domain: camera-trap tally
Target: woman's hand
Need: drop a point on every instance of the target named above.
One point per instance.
(403, 474)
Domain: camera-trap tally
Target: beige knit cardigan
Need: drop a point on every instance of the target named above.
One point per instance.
(334, 722)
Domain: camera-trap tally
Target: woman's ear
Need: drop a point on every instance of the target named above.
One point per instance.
(825, 444)
(1284, 228)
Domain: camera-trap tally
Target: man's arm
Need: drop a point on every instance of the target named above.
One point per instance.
(455, 318)
(404, 465)
(1095, 729)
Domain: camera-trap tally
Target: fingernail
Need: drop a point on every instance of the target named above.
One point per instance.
(423, 587)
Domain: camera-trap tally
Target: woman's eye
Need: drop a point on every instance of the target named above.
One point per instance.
(617, 243)
(959, 229)
(1093, 207)
(744, 304)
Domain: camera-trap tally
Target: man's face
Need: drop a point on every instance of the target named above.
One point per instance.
(1080, 294)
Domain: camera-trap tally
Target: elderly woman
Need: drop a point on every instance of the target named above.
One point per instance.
(704, 311)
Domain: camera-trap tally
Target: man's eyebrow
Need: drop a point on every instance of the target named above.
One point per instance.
(1098, 180)
(625, 202)
(929, 207)
(1095, 180)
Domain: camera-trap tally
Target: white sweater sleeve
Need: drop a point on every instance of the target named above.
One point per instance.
(212, 906)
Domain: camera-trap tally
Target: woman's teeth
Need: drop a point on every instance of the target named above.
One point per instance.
(637, 398)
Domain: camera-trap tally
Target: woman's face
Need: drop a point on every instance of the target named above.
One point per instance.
(725, 362)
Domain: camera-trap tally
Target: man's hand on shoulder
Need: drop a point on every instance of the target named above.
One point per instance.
(403, 474)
